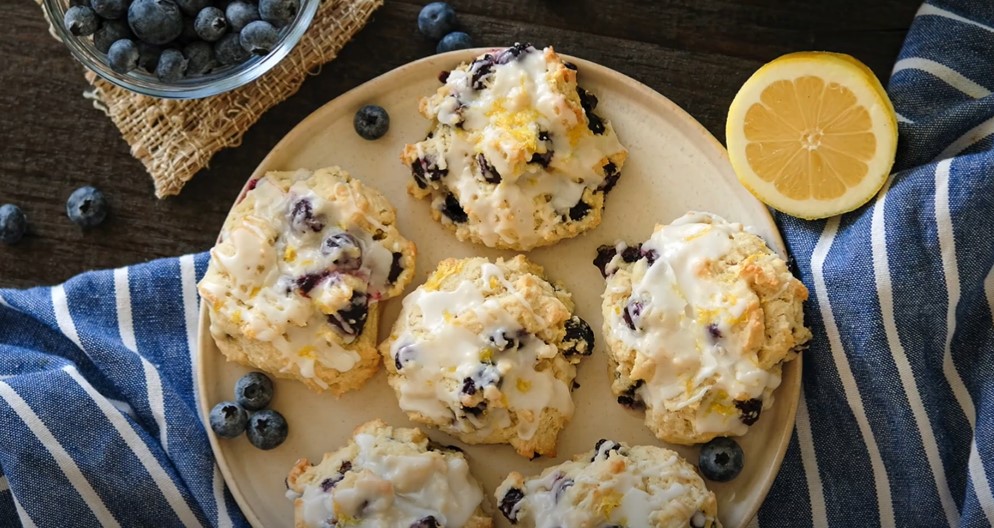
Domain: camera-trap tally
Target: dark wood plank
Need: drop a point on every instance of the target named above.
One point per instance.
(696, 52)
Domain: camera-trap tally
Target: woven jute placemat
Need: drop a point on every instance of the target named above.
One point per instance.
(176, 138)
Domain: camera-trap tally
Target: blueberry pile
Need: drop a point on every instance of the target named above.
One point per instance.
(437, 21)
(175, 39)
(265, 428)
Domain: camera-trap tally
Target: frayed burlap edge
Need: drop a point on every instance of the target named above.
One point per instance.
(176, 138)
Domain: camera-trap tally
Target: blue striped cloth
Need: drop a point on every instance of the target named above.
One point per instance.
(895, 425)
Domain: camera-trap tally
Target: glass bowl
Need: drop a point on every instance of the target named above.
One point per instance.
(218, 81)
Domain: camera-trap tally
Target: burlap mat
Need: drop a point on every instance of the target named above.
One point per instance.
(174, 139)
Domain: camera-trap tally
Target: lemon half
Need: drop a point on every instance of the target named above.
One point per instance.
(812, 134)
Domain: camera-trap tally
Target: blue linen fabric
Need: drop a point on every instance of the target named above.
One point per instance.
(895, 426)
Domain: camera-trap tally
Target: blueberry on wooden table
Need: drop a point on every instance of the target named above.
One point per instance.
(278, 12)
(210, 24)
(81, 20)
(259, 37)
(87, 206)
(13, 224)
(155, 21)
(228, 419)
(240, 14)
(436, 20)
(456, 40)
(254, 391)
(266, 429)
(721, 459)
(371, 122)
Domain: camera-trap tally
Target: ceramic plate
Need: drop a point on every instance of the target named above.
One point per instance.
(674, 166)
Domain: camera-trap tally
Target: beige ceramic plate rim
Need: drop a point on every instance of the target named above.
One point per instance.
(787, 394)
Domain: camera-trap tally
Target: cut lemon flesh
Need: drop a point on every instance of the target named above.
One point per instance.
(812, 134)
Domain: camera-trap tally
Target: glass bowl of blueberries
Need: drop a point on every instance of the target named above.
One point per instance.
(180, 49)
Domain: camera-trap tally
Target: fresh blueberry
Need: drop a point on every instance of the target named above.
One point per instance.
(228, 50)
(278, 12)
(155, 21)
(436, 20)
(123, 56)
(13, 224)
(509, 502)
(110, 9)
(240, 14)
(201, 57)
(259, 37)
(254, 391)
(87, 206)
(266, 429)
(189, 33)
(110, 32)
(191, 7)
(371, 122)
(228, 419)
(721, 459)
(210, 24)
(148, 56)
(172, 66)
(81, 21)
(456, 40)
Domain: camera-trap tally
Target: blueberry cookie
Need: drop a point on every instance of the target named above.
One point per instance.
(699, 320)
(516, 158)
(612, 486)
(487, 352)
(295, 279)
(387, 476)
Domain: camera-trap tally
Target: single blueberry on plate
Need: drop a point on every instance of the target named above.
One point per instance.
(436, 20)
(81, 21)
(155, 21)
(240, 14)
(201, 57)
(456, 40)
(721, 459)
(172, 66)
(259, 37)
(13, 224)
(266, 429)
(210, 24)
(110, 32)
(123, 56)
(229, 50)
(278, 12)
(228, 419)
(371, 122)
(110, 9)
(254, 391)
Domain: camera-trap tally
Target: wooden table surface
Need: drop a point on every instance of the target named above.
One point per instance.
(696, 52)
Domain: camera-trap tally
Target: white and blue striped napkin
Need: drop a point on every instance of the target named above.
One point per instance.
(99, 426)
